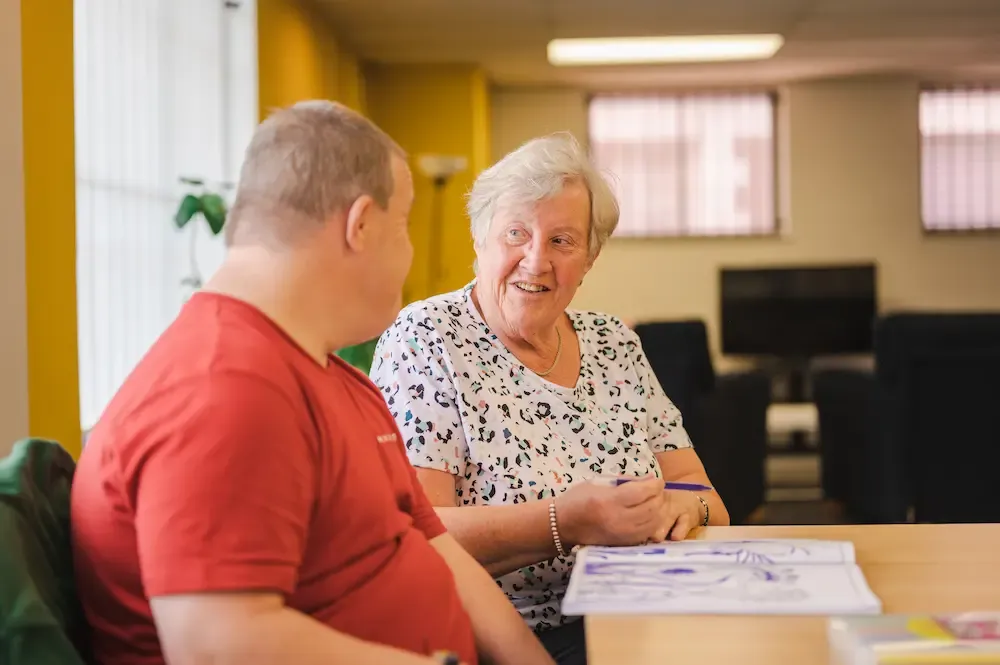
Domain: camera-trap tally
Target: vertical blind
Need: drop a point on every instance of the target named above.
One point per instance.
(960, 159)
(688, 165)
(165, 89)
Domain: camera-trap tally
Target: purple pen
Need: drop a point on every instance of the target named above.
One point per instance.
(685, 487)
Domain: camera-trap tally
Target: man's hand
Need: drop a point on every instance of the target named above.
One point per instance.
(681, 512)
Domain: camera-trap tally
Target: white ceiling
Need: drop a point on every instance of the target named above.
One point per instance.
(941, 39)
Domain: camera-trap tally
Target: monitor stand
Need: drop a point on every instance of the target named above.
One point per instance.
(794, 374)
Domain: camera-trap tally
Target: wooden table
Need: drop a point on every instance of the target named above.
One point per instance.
(910, 567)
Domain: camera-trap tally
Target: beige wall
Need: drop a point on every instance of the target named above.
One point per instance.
(850, 152)
(13, 328)
(520, 114)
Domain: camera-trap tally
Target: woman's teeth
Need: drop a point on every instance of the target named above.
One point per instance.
(530, 288)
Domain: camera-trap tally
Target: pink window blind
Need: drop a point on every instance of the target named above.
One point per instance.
(688, 165)
(960, 159)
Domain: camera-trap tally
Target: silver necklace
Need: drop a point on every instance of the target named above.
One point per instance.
(558, 353)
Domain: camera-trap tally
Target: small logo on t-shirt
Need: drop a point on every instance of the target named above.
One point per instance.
(387, 438)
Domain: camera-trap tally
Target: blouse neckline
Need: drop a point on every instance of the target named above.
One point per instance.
(511, 358)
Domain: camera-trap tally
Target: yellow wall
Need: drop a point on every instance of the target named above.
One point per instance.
(300, 57)
(50, 220)
(437, 110)
(851, 181)
(427, 109)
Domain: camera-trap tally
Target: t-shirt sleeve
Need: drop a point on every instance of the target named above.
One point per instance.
(410, 369)
(223, 499)
(664, 422)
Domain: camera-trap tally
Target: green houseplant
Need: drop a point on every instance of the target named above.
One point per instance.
(208, 204)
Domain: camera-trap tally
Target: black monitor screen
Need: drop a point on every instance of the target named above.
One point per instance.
(798, 311)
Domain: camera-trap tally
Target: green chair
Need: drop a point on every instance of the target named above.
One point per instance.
(41, 622)
(360, 355)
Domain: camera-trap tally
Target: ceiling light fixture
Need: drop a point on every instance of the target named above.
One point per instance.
(650, 50)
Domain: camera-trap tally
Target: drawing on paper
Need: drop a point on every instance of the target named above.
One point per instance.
(759, 552)
(632, 582)
(756, 552)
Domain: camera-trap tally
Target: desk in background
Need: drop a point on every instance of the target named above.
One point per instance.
(784, 419)
(911, 567)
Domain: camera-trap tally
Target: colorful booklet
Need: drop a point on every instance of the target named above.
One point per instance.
(971, 638)
(777, 576)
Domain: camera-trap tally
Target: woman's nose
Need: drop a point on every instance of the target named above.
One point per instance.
(536, 257)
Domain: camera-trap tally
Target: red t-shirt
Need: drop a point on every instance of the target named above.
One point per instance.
(230, 460)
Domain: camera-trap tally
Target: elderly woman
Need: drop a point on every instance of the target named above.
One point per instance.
(513, 408)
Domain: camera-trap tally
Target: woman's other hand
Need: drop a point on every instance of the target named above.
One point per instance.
(681, 512)
(595, 514)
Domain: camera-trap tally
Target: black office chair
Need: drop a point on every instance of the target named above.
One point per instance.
(844, 400)
(923, 431)
(725, 414)
(938, 397)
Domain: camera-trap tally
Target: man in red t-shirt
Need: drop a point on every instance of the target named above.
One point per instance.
(246, 497)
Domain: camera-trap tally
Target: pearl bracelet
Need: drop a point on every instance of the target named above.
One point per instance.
(554, 527)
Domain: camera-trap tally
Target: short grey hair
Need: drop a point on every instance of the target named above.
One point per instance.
(305, 163)
(536, 171)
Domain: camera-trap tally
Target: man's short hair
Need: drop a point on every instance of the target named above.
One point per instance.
(305, 163)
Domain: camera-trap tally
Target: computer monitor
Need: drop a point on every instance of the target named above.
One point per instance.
(798, 312)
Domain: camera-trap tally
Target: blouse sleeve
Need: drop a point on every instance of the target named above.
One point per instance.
(410, 369)
(665, 424)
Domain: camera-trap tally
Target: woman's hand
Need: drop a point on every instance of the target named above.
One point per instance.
(594, 514)
(681, 512)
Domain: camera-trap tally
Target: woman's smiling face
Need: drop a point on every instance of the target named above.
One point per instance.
(532, 261)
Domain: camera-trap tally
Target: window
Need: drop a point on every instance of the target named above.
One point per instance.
(960, 159)
(688, 165)
(164, 89)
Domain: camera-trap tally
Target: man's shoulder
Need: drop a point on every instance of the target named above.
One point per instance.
(192, 361)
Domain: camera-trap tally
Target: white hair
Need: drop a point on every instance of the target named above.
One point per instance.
(534, 172)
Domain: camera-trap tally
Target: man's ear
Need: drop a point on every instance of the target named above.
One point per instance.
(358, 222)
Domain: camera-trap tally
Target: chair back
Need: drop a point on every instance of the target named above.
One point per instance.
(725, 415)
(938, 402)
(845, 402)
(679, 355)
(41, 621)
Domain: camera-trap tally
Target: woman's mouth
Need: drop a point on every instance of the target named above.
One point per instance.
(531, 287)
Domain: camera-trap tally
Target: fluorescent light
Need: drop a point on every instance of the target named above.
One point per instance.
(646, 50)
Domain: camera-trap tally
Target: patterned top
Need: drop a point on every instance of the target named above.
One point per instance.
(466, 405)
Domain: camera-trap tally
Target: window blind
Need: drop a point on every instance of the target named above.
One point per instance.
(688, 165)
(165, 89)
(960, 159)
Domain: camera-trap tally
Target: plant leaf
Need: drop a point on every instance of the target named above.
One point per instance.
(214, 210)
(189, 207)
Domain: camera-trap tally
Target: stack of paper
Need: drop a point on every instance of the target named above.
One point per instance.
(777, 576)
(916, 639)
